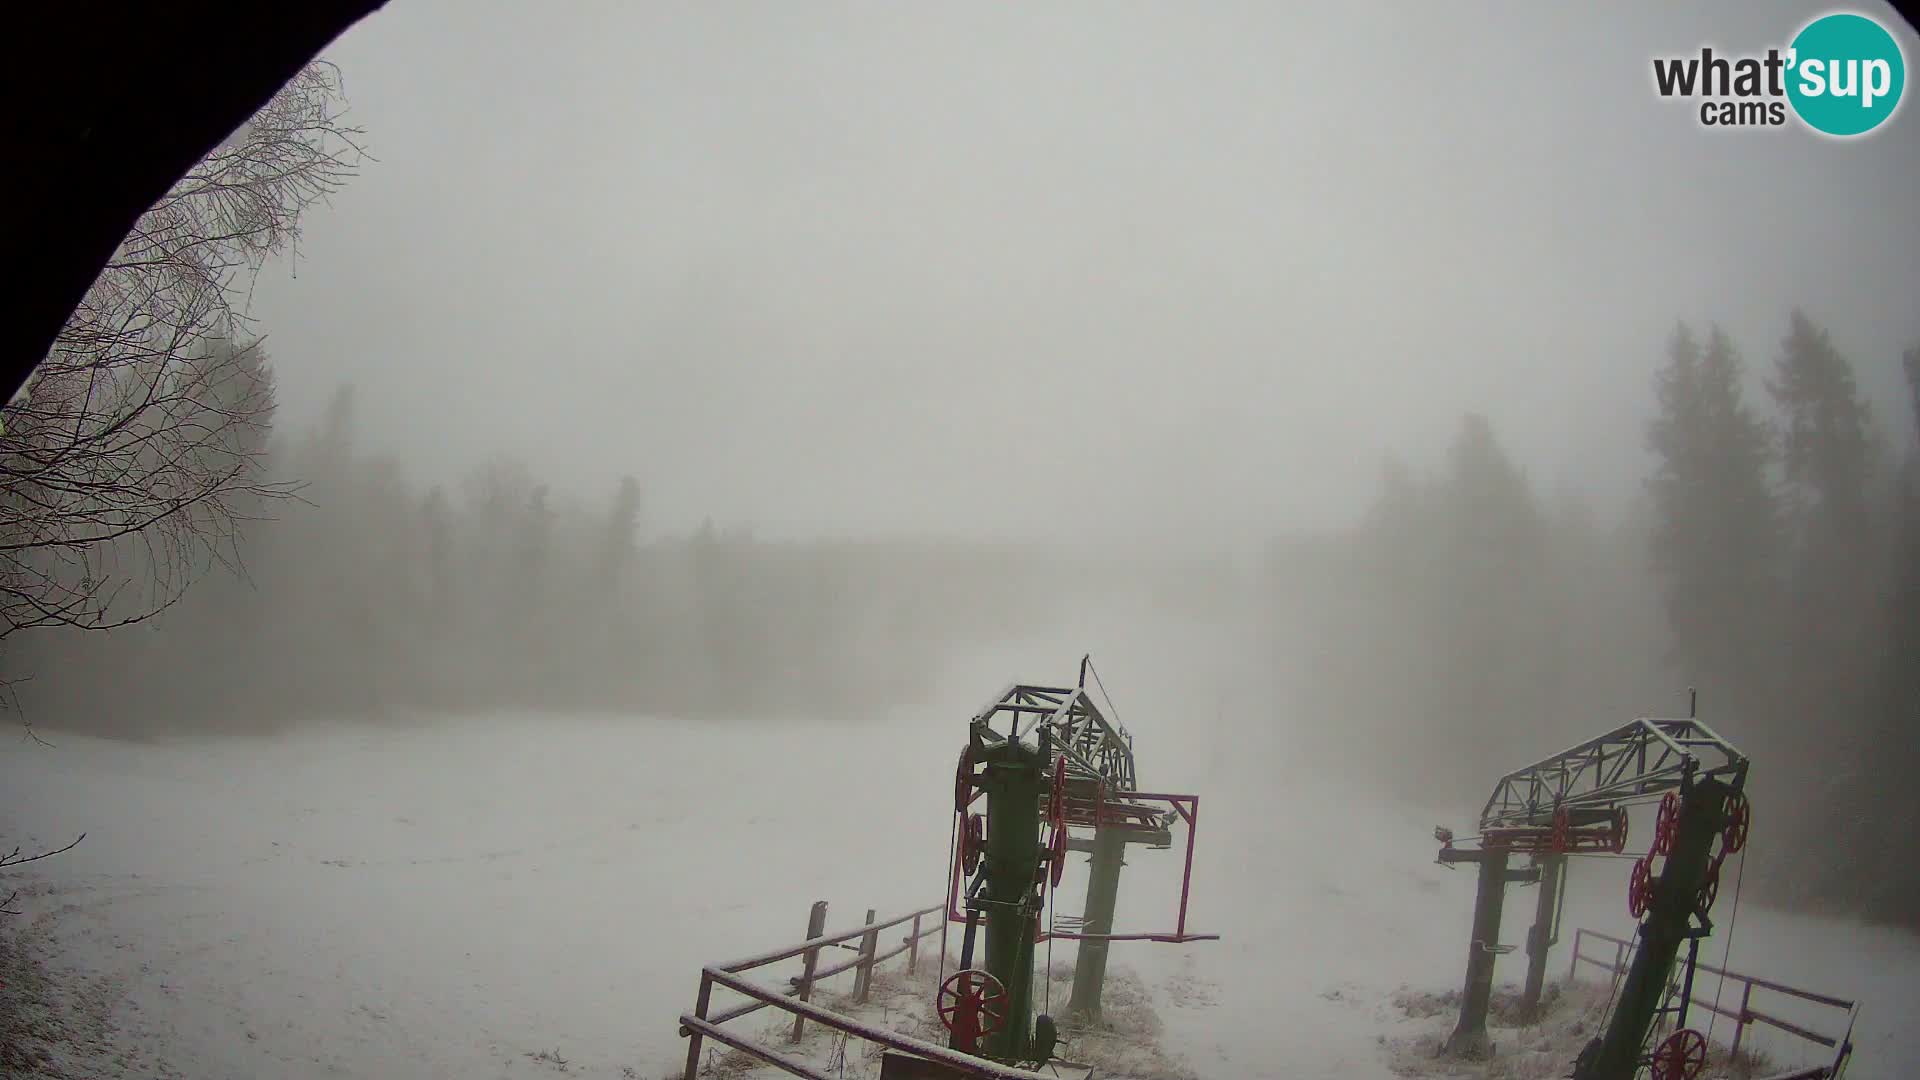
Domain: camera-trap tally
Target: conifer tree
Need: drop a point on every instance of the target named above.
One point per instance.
(1716, 532)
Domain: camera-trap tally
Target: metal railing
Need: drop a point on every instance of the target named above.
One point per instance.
(699, 1024)
(1744, 1014)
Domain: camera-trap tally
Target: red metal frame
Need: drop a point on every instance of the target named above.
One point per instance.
(1188, 807)
(1607, 837)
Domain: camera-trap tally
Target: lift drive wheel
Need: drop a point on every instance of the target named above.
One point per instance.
(973, 841)
(1709, 890)
(1057, 854)
(1739, 817)
(972, 1005)
(1666, 824)
(1640, 887)
(1682, 1056)
(963, 781)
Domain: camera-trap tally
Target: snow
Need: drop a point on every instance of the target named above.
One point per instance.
(478, 897)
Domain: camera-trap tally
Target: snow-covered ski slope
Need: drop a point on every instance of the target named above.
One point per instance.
(459, 898)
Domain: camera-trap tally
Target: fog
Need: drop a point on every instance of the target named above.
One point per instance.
(739, 362)
(1384, 398)
(847, 270)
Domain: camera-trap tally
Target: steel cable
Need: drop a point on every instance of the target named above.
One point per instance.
(946, 919)
(1733, 917)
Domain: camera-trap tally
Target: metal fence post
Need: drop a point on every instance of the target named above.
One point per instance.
(816, 926)
(693, 1038)
(1740, 1028)
(913, 947)
(863, 973)
(1573, 964)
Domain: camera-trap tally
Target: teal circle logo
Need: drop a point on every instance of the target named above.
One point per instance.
(1845, 74)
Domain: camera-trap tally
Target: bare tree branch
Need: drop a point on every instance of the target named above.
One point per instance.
(133, 456)
(14, 858)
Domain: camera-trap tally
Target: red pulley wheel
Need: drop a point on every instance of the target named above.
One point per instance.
(1057, 806)
(972, 1005)
(1739, 816)
(963, 780)
(1057, 855)
(1640, 887)
(1666, 824)
(1709, 890)
(973, 841)
(1682, 1056)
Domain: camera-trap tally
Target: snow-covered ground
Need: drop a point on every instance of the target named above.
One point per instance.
(459, 898)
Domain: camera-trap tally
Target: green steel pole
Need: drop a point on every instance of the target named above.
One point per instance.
(1103, 888)
(1015, 780)
(1616, 1055)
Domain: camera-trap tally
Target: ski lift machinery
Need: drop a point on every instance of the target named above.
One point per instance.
(1575, 803)
(1057, 765)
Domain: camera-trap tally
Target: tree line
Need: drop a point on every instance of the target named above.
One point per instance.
(365, 594)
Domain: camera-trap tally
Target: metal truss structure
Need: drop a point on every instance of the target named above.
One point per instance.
(1628, 764)
(1095, 748)
(1099, 792)
(1575, 803)
(1101, 784)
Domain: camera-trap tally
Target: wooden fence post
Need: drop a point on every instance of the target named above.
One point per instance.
(1573, 963)
(693, 1038)
(816, 926)
(863, 974)
(913, 947)
(1740, 1028)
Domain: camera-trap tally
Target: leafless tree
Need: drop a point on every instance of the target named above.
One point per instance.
(132, 456)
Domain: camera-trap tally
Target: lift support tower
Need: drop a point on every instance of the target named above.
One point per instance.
(1059, 764)
(1574, 803)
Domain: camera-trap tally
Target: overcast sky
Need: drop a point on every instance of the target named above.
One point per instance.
(1096, 268)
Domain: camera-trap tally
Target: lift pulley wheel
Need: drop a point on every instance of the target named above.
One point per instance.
(1739, 816)
(973, 841)
(1682, 1056)
(963, 780)
(1640, 887)
(1057, 805)
(1562, 828)
(1709, 889)
(972, 1005)
(1666, 824)
(1619, 829)
(1057, 854)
